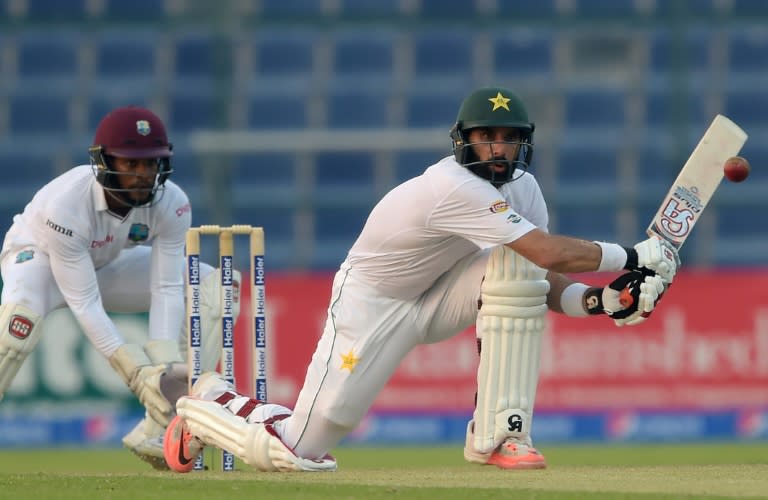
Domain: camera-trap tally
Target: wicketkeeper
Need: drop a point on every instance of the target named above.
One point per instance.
(109, 237)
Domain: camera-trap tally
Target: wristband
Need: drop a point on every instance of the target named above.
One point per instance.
(632, 259)
(572, 300)
(614, 258)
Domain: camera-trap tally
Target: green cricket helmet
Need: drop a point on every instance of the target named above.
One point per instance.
(492, 107)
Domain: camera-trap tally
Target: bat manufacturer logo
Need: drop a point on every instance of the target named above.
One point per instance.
(680, 212)
(515, 422)
(592, 301)
(697, 181)
(20, 327)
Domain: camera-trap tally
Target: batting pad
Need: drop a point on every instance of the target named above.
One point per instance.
(509, 324)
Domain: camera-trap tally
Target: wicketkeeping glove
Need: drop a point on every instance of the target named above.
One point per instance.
(629, 299)
(143, 378)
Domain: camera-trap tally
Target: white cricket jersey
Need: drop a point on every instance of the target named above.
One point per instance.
(68, 219)
(422, 227)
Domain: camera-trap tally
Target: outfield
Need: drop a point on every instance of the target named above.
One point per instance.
(603, 472)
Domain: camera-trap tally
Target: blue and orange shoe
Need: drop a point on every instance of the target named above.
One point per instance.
(180, 447)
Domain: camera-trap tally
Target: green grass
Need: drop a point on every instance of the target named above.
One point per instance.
(577, 472)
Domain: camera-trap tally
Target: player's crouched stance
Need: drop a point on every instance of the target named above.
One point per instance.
(216, 415)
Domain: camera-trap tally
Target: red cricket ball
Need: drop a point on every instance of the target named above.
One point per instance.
(736, 169)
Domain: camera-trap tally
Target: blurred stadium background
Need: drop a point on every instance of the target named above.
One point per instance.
(297, 115)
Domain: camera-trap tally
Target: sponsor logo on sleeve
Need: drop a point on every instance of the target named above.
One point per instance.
(24, 256)
(59, 229)
(499, 206)
(20, 327)
(514, 218)
(138, 232)
(184, 209)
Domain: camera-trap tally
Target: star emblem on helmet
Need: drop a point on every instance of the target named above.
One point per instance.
(499, 101)
(142, 127)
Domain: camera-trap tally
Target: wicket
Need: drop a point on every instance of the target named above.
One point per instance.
(257, 329)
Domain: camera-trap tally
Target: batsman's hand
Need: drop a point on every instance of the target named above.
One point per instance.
(655, 254)
(143, 378)
(632, 297)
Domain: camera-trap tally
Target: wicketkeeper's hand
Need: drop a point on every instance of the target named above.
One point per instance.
(629, 299)
(143, 378)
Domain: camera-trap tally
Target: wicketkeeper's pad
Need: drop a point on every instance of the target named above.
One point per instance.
(20, 331)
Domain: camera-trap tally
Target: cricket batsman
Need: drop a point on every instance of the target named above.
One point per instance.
(466, 242)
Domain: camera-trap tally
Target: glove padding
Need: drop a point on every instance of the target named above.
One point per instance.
(143, 378)
(659, 256)
(629, 299)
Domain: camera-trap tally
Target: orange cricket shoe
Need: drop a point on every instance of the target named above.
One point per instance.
(180, 447)
(512, 454)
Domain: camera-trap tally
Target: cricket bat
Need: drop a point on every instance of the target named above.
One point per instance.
(697, 182)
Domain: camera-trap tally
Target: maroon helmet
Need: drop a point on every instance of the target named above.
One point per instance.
(130, 132)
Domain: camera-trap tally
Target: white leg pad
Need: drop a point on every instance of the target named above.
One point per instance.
(258, 445)
(20, 332)
(210, 319)
(510, 324)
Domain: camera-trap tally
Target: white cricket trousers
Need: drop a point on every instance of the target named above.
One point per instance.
(123, 283)
(365, 338)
